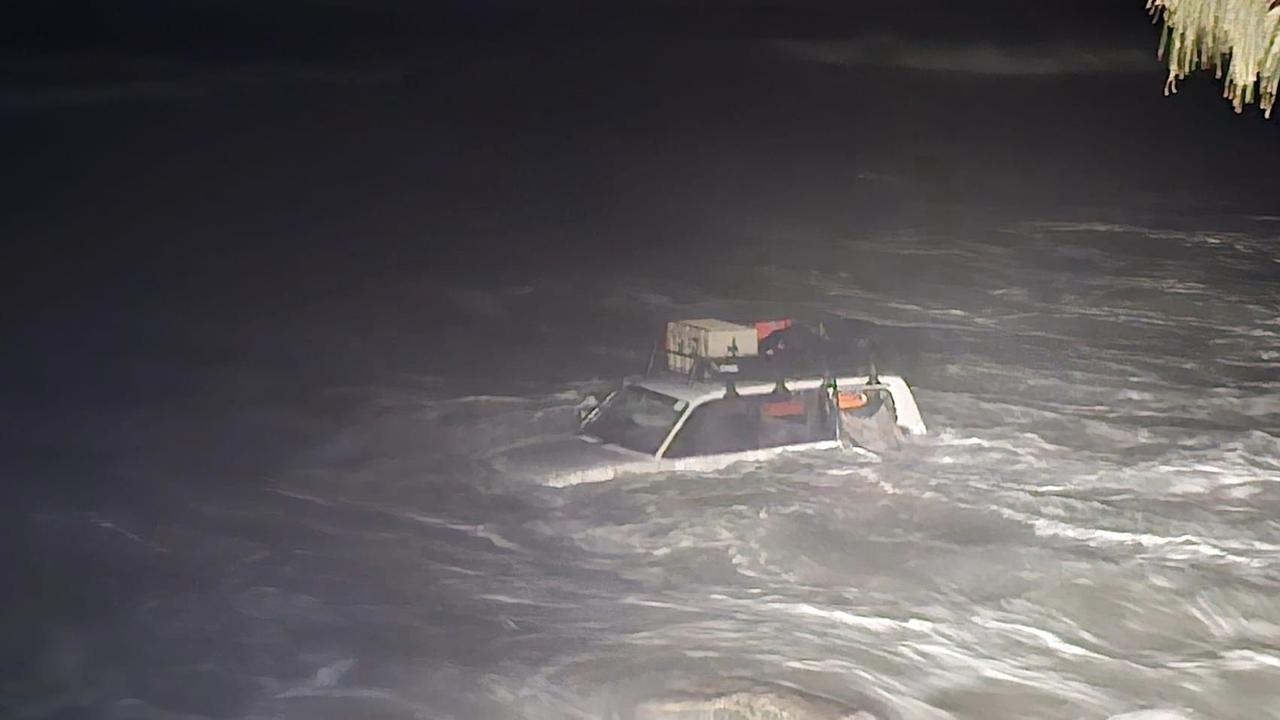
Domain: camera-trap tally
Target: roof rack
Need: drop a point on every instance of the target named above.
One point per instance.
(816, 355)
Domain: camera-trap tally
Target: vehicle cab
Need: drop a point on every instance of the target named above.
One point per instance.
(704, 411)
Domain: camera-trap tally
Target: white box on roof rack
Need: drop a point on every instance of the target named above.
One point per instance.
(707, 338)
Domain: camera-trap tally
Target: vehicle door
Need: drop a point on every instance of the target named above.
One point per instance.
(796, 419)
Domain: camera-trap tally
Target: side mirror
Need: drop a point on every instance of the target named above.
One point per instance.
(585, 408)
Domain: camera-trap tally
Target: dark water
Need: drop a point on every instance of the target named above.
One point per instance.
(258, 346)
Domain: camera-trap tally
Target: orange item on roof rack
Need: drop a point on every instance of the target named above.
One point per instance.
(765, 328)
(851, 399)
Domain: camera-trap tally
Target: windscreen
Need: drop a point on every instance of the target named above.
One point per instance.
(635, 418)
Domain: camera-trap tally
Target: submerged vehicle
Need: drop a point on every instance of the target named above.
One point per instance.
(718, 393)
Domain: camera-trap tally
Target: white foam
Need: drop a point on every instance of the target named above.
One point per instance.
(865, 622)
(1180, 546)
(1153, 715)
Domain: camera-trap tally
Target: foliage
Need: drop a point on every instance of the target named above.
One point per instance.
(1238, 39)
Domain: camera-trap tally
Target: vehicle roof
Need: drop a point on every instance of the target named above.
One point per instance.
(680, 388)
(696, 393)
